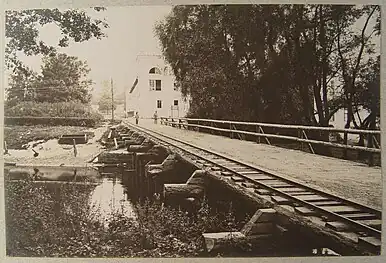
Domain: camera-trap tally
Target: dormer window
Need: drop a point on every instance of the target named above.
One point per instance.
(155, 70)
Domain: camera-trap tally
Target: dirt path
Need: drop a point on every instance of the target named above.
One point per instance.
(52, 153)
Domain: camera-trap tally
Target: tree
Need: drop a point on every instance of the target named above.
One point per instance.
(21, 31)
(351, 49)
(105, 101)
(21, 87)
(286, 59)
(63, 78)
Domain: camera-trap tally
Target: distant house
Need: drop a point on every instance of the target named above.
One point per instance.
(338, 120)
(154, 89)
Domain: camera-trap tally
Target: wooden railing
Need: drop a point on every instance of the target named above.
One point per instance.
(309, 135)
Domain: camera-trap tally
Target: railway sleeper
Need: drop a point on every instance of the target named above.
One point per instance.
(361, 216)
(257, 176)
(344, 227)
(296, 220)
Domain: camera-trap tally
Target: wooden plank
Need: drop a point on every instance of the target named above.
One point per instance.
(376, 223)
(234, 167)
(252, 173)
(310, 198)
(370, 241)
(263, 215)
(304, 211)
(338, 226)
(246, 169)
(278, 185)
(293, 190)
(258, 177)
(341, 209)
(261, 191)
(237, 179)
(226, 173)
(361, 216)
(281, 200)
(248, 185)
(299, 193)
(215, 168)
(326, 203)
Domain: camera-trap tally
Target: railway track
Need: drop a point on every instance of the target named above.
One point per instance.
(339, 214)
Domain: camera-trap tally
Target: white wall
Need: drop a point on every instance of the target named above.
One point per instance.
(144, 99)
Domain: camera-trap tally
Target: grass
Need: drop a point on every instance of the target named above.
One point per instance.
(16, 136)
(48, 221)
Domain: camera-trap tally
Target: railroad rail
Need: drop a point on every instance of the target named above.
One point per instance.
(339, 214)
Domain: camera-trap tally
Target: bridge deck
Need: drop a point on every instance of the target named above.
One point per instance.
(347, 179)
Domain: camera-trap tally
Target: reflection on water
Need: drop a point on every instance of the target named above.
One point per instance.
(109, 197)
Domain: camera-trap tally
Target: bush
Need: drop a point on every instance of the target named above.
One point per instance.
(51, 121)
(58, 109)
(60, 113)
(48, 221)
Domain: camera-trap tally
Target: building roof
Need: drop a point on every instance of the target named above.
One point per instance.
(134, 85)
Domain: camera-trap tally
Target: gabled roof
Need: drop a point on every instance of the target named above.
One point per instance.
(134, 85)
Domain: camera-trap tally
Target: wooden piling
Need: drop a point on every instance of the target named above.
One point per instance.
(193, 188)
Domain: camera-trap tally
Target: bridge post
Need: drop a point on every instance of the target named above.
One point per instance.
(143, 147)
(193, 189)
(258, 230)
(156, 173)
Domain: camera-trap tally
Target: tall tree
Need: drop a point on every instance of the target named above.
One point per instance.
(285, 60)
(21, 86)
(22, 31)
(105, 101)
(63, 78)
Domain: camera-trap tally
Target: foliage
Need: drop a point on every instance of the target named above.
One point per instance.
(22, 31)
(46, 109)
(105, 101)
(70, 113)
(52, 121)
(63, 78)
(16, 136)
(286, 58)
(60, 222)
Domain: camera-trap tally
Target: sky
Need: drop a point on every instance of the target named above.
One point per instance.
(130, 32)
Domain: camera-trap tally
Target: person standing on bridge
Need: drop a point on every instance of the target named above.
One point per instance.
(136, 117)
(155, 117)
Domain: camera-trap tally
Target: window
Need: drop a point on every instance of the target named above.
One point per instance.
(159, 104)
(158, 84)
(175, 86)
(345, 113)
(154, 71)
(175, 102)
(151, 84)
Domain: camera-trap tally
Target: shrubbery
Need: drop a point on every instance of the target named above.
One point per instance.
(41, 221)
(45, 109)
(60, 113)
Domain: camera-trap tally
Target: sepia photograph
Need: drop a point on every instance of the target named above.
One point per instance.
(192, 131)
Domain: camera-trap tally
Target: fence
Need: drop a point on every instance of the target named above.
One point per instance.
(313, 137)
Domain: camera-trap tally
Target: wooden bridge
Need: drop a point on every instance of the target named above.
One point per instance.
(290, 191)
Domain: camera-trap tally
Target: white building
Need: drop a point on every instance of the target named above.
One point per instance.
(154, 90)
(338, 120)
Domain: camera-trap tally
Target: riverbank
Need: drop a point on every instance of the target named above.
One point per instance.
(52, 153)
